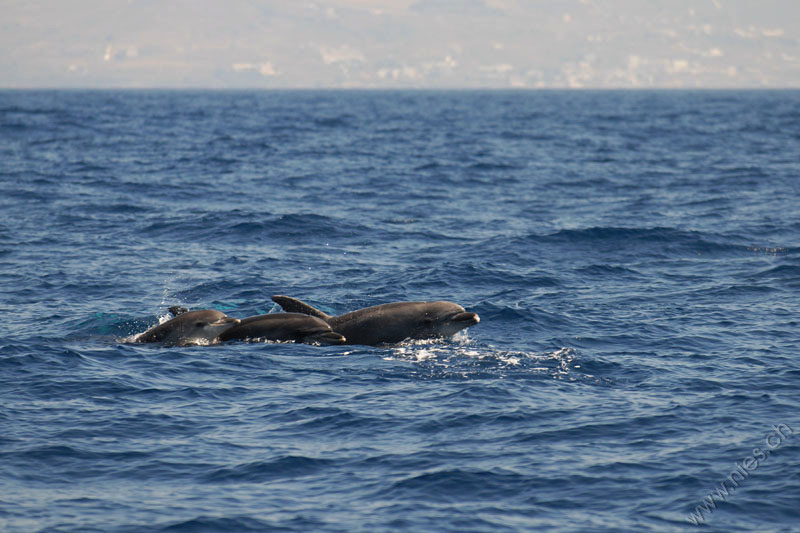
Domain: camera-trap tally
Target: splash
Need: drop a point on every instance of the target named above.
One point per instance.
(462, 355)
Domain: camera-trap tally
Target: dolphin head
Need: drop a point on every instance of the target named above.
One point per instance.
(442, 319)
(211, 330)
(192, 327)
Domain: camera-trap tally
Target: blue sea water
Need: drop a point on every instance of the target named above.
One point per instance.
(634, 258)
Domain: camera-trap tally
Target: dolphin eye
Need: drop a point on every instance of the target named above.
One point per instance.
(198, 325)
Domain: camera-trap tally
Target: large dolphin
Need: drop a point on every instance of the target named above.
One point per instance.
(295, 327)
(390, 323)
(189, 327)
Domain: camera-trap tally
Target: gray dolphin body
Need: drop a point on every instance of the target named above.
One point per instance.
(295, 327)
(189, 327)
(390, 323)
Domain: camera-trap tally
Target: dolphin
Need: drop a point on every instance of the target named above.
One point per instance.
(295, 327)
(390, 323)
(189, 327)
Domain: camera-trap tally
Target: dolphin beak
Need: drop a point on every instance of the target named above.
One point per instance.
(470, 318)
(329, 337)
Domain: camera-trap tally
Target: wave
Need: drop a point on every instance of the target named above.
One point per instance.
(784, 272)
(251, 228)
(341, 121)
(489, 167)
(286, 467)
(205, 523)
(661, 242)
(457, 485)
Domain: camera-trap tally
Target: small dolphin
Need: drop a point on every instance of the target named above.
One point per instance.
(390, 323)
(189, 327)
(295, 327)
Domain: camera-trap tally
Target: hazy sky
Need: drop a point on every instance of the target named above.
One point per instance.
(399, 43)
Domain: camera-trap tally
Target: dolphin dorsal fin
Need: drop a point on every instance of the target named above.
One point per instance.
(293, 305)
(178, 310)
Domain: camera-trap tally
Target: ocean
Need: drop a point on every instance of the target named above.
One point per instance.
(634, 257)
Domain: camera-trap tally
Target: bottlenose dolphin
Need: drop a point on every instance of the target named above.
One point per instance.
(295, 327)
(390, 323)
(189, 327)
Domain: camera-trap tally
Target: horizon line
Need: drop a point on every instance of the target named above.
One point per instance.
(396, 89)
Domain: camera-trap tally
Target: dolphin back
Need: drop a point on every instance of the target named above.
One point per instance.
(295, 327)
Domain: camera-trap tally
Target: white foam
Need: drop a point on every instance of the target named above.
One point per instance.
(447, 354)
